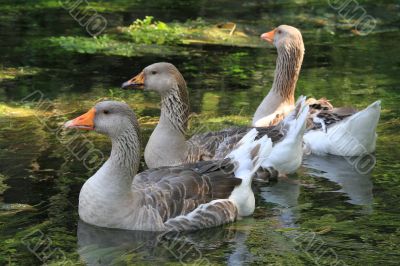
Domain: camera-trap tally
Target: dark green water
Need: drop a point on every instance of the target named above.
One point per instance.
(328, 215)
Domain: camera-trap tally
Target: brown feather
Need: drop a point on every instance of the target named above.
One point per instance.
(179, 190)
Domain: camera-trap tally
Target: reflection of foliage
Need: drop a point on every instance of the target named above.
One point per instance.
(281, 250)
(234, 67)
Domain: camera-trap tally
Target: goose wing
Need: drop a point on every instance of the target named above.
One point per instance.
(217, 144)
(173, 193)
(322, 114)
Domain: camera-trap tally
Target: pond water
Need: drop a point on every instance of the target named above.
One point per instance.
(327, 213)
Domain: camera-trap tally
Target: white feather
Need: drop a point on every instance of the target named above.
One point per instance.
(353, 136)
(286, 156)
(246, 166)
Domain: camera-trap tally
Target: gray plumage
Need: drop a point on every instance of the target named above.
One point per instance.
(174, 192)
(187, 197)
(167, 144)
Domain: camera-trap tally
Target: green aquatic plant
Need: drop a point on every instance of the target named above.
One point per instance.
(150, 36)
(111, 45)
(149, 31)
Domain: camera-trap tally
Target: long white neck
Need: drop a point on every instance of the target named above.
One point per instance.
(288, 65)
(167, 144)
(106, 198)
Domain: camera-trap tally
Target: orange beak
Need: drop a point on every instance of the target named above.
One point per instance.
(269, 36)
(136, 82)
(85, 121)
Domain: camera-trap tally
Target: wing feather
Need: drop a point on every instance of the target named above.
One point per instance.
(322, 114)
(208, 215)
(218, 144)
(177, 191)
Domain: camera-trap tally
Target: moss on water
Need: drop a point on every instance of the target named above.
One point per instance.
(12, 72)
(110, 45)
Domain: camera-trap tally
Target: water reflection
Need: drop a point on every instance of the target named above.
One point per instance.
(241, 252)
(104, 246)
(348, 69)
(357, 186)
(285, 194)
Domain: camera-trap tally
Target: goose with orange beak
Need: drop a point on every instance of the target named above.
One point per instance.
(168, 146)
(84, 122)
(339, 131)
(187, 197)
(268, 36)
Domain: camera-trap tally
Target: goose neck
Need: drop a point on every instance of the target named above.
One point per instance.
(288, 65)
(125, 155)
(175, 111)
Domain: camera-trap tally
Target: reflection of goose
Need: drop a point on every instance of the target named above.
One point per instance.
(285, 194)
(339, 131)
(340, 170)
(105, 246)
(187, 197)
(357, 186)
(241, 255)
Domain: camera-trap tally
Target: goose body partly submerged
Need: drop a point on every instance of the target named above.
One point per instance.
(338, 131)
(186, 197)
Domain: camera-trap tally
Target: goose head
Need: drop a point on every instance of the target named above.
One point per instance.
(163, 78)
(111, 118)
(285, 37)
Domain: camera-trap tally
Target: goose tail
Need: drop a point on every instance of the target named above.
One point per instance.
(248, 156)
(301, 118)
(296, 120)
(286, 155)
(356, 135)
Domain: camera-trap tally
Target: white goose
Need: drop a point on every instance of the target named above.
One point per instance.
(168, 145)
(338, 131)
(187, 197)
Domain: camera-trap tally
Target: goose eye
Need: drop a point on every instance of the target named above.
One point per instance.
(106, 112)
(279, 31)
(153, 72)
